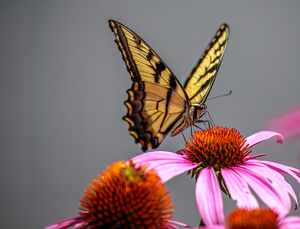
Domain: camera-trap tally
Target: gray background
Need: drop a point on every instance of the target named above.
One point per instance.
(63, 83)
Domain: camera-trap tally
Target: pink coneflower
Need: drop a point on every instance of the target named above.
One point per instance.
(259, 218)
(124, 196)
(219, 159)
(287, 122)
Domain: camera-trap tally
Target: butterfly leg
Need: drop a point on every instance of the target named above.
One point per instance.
(209, 122)
(210, 119)
(198, 127)
(183, 137)
(204, 122)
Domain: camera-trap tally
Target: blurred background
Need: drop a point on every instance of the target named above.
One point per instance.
(63, 84)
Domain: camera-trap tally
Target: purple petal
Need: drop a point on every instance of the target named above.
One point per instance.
(287, 170)
(239, 189)
(214, 227)
(287, 123)
(166, 164)
(172, 227)
(269, 172)
(178, 223)
(264, 189)
(67, 223)
(209, 198)
(80, 226)
(180, 152)
(261, 136)
(275, 178)
(210, 227)
(293, 172)
(292, 222)
(255, 156)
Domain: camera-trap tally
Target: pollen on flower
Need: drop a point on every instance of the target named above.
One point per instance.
(127, 196)
(254, 219)
(217, 147)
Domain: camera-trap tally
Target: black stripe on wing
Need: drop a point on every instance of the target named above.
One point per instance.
(203, 75)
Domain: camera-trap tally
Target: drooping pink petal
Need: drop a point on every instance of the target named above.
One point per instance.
(292, 222)
(266, 192)
(272, 174)
(293, 172)
(296, 171)
(166, 164)
(209, 198)
(287, 123)
(262, 136)
(286, 170)
(239, 189)
(67, 223)
(275, 178)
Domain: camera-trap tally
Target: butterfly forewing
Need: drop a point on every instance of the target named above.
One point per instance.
(202, 77)
(142, 63)
(156, 99)
(157, 103)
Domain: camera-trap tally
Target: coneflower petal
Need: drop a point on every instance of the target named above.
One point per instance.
(292, 222)
(287, 123)
(209, 198)
(239, 189)
(77, 221)
(272, 175)
(287, 170)
(166, 164)
(262, 136)
(263, 188)
(293, 172)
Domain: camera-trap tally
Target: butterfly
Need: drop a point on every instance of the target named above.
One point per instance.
(157, 103)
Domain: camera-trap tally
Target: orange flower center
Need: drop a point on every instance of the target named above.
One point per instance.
(126, 196)
(252, 219)
(217, 147)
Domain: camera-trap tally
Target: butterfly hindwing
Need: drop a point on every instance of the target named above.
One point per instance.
(150, 115)
(202, 77)
(156, 99)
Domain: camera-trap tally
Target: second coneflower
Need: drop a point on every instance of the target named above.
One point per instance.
(124, 196)
(259, 218)
(219, 159)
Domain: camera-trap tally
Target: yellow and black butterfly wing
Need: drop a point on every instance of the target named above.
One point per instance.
(202, 77)
(156, 99)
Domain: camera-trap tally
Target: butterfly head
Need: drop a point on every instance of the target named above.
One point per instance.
(196, 111)
(202, 107)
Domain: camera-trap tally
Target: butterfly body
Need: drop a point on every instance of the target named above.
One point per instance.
(157, 103)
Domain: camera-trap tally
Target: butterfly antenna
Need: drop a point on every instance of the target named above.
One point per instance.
(220, 95)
